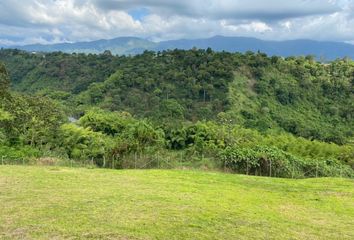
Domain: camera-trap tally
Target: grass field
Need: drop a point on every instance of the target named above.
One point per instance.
(64, 203)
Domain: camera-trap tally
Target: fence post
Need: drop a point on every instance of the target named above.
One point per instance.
(341, 171)
(135, 160)
(158, 163)
(247, 166)
(270, 168)
(316, 169)
(104, 162)
(181, 160)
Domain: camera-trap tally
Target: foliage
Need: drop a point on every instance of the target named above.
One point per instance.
(82, 143)
(19, 152)
(266, 161)
(30, 120)
(109, 123)
(4, 81)
(248, 108)
(297, 94)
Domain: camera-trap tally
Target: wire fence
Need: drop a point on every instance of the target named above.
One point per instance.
(159, 161)
(270, 168)
(134, 161)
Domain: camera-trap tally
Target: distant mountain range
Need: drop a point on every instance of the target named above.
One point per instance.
(122, 45)
(133, 45)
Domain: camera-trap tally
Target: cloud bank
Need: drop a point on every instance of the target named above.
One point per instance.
(52, 21)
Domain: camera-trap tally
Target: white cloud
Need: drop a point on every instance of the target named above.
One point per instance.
(287, 25)
(229, 9)
(255, 26)
(29, 21)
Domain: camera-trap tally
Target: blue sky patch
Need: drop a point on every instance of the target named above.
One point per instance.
(139, 13)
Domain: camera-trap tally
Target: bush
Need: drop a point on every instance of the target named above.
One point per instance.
(83, 143)
(266, 161)
(18, 154)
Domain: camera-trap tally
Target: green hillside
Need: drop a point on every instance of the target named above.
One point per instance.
(244, 113)
(298, 95)
(63, 203)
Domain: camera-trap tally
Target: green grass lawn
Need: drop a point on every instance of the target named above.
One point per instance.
(64, 203)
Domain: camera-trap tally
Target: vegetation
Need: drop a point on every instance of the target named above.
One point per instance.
(297, 95)
(245, 113)
(170, 204)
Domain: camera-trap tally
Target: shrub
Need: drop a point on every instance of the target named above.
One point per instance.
(83, 143)
(266, 161)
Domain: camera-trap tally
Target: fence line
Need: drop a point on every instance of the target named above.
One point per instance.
(156, 161)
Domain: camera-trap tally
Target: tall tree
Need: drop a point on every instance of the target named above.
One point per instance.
(4, 80)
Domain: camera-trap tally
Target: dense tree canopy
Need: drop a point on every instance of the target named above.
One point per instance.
(4, 80)
(296, 94)
(230, 109)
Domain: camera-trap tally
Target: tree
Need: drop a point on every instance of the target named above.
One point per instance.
(4, 81)
(109, 123)
(83, 143)
(171, 109)
(31, 120)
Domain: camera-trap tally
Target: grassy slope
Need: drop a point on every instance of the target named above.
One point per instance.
(42, 203)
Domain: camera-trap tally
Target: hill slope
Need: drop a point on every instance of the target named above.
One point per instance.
(42, 203)
(132, 45)
(298, 95)
(325, 50)
(123, 45)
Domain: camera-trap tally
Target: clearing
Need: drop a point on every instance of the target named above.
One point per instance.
(79, 203)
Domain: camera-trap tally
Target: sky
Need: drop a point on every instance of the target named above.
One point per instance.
(53, 21)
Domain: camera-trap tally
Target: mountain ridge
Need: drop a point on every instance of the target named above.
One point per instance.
(326, 50)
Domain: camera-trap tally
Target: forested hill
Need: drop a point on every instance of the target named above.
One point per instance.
(133, 45)
(300, 47)
(295, 94)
